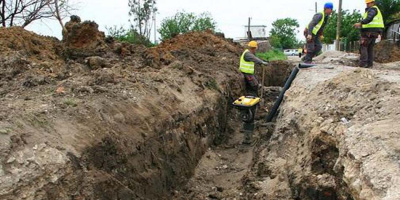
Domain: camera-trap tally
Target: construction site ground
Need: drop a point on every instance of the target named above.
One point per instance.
(92, 118)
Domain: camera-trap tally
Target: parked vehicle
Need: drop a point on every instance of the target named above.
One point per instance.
(291, 52)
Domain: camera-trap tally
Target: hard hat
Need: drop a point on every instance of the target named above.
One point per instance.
(369, 1)
(252, 44)
(329, 5)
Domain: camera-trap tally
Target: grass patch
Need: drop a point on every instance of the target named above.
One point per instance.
(70, 102)
(5, 131)
(271, 55)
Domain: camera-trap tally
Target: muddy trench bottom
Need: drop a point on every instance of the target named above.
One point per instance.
(223, 170)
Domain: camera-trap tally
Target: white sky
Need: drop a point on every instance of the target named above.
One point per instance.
(230, 15)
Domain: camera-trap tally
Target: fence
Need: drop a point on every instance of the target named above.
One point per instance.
(344, 46)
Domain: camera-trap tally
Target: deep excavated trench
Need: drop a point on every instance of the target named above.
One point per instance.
(234, 171)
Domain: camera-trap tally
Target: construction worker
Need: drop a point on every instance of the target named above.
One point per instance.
(247, 62)
(300, 51)
(314, 32)
(371, 28)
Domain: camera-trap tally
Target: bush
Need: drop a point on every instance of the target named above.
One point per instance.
(185, 22)
(129, 36)
(271, 55)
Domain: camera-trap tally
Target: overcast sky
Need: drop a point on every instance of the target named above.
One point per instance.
(230, 15)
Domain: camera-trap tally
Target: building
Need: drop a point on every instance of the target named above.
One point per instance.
(257, 31)
(393, 31)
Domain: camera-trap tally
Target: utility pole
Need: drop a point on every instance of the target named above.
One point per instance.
(316, 7)
(338, 25)
(249, 36)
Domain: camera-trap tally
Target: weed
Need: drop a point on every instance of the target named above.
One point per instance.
(70, 102)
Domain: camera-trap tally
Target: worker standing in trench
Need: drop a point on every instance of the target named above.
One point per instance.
(247, 62)
(314, 32)
(372, 27)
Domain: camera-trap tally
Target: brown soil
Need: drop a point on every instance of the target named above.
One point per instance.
(91, 118)
(386, 52)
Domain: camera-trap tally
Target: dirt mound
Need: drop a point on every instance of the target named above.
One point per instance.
(336, 130)
(189, 46)
(386, 52)
(338, 57)
(110, 126)
(16, 40)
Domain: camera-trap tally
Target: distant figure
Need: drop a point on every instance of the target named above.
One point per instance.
(372, 27)
(300, 51)
(314, 32)
(247, 62)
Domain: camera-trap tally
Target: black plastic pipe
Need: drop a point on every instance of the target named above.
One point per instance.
(278, 102)
(305, 65)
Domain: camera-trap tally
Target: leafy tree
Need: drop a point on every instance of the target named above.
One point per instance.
(130, 36)
(347, 28)
(24, 12)
(141, 12)
(275, 41)
(185, 22)
(389, 9)
(283, 33)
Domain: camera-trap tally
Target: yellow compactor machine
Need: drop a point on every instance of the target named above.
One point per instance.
(247, 106)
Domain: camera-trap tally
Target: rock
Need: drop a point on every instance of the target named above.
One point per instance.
(96, 62)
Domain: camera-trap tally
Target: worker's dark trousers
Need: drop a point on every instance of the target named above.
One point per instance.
(313, 47)
(251, 84)
(367, 51)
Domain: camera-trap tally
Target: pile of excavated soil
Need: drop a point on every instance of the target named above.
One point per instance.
(17, 41)
(338, 58)
(84, 118)
(336, 137)
(386, 52)
(203, 48)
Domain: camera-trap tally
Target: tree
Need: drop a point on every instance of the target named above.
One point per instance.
(283, 33)
(347, 26)
(141, 11)
(60, 10)
(24, 12)
(389, 9)
(185, 22)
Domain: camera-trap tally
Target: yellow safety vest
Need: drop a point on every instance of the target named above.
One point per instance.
(377, 22)
(246, 67)
(319, 25)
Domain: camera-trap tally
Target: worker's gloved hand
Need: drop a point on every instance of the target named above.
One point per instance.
(321, 37)
(357, 25)
(309, 37)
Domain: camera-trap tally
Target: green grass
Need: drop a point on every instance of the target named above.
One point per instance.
(271, 55)
(70, 102)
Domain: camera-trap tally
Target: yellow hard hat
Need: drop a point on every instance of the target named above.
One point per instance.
(369, 1)
(252, 44)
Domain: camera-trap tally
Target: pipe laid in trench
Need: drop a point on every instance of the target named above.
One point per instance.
(288, 83)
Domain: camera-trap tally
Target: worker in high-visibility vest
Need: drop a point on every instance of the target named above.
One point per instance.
(314, 32)
(247, 62)
(372, 26)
